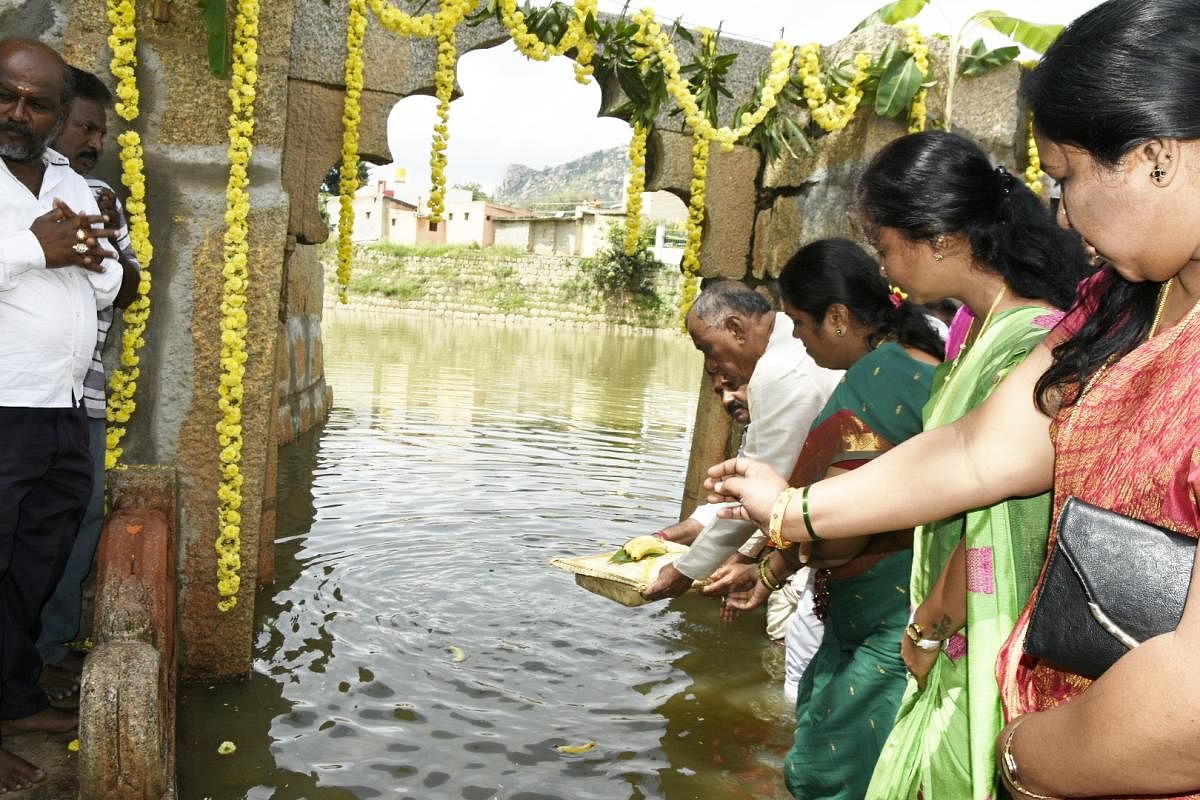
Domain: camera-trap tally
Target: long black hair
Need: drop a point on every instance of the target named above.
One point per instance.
(935, 183)
(1124, 73)
(831, 271)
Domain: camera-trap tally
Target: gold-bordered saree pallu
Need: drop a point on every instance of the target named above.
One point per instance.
(848, 695)
(941, 747)
(1133, 447)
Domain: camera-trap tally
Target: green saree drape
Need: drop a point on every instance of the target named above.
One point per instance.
(848, 695)
(941, 747)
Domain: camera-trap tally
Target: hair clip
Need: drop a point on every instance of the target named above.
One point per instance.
(897, 296)
(1006, 178)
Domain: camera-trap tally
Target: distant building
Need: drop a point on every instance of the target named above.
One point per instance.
(382, 216)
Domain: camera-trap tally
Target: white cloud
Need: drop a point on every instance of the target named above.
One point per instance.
(517, 111)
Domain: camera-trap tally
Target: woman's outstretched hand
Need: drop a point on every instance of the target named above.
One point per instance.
(753, 484)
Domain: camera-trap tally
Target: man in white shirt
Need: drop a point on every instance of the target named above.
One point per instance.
(744, 341)
(81, 141)
(55, 273)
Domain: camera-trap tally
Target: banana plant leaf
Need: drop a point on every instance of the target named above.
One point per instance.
(981, 60)
(1034, 36)
(891, 13)
(897, 87)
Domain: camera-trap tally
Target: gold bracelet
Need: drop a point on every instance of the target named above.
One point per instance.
(1008, 765)
(775, 528)
(767, 575)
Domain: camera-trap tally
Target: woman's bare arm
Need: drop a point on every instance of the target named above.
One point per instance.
(1001, 449)
(1134, 731)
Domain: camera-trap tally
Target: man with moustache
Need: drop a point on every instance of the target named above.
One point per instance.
(55, 274)
(81, 140)
(746, 343)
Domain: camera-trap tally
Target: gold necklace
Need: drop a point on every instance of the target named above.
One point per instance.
(1163, 294)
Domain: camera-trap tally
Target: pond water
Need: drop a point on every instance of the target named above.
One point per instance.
(416, 644)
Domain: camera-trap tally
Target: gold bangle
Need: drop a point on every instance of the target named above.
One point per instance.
(775, 528)
(767, 576)
(1008, 765)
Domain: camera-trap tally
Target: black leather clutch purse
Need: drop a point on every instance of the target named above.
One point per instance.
(1111, 584)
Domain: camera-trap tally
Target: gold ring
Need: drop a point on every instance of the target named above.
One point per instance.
(80, 247)
(80, 234)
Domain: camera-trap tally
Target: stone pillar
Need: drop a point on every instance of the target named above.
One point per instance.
(184, 128)
(712, 441)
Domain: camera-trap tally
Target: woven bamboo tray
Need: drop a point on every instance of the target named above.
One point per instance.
(623, 583)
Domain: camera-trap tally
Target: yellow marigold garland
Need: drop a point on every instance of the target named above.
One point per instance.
(1033, 172)
(441, 25)
(652, 37)
(234, 326)
(637, 185)
(447, 57)
(122, 16)
(575, 36)
(356, 30)
(695, 225)
(830, 114)
(915, 44)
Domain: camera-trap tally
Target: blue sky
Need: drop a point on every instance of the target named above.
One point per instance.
(517, 111)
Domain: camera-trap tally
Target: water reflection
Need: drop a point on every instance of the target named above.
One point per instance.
(416, 529)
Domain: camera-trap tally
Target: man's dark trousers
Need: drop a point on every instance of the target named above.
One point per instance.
(45, 480)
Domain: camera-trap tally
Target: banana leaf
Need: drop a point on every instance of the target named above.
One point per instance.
(891, 13)
(897, 87)
(981, 60)
(1034, 36)
(215, 19)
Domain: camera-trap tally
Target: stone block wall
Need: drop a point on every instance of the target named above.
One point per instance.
(499, 283)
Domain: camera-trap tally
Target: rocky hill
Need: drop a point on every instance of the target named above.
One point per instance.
(598, 176)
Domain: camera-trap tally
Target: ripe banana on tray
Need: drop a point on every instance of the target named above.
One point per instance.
(640, 547)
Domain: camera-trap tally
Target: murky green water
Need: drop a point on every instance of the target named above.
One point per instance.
(459, 458)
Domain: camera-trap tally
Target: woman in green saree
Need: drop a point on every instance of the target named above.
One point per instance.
(947, 225)
(848, 695)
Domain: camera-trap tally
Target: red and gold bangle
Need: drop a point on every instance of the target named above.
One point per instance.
(775, 527)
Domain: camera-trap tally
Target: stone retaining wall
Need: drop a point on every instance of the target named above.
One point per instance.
(500, 283)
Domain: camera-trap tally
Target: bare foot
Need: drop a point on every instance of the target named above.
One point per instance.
(16, 773)
(72, 661)
(48, 720)
(58, 683)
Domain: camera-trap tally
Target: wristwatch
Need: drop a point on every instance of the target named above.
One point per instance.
(914, 632)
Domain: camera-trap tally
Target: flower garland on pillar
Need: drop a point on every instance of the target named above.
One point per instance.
(122, 16)
(234, 328)
(356, 29)
(637, 185)
(444, 77)
(442, 26)
(695, 226)
(651, 36)
(830, 114)
(915, 44)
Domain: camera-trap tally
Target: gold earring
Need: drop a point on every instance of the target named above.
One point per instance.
(938, 256)
(1158, 174)
(839, 332)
